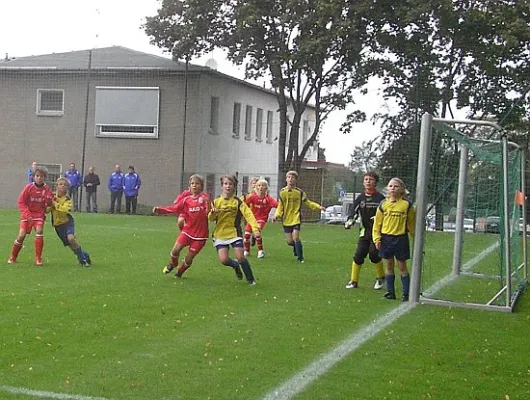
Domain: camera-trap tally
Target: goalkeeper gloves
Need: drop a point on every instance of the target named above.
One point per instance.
(349, 223)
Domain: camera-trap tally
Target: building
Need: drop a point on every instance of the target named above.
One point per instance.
(115, 105)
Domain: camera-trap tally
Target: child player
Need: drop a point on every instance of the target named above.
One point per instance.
(32, 203)
(290, 203)
(253, 181)
(365, 205)
(261, 203)
(227, 212)
(194, 209)
(394, 219)
(63, 222)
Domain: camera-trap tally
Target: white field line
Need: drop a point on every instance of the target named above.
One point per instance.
(46, 395)
(319, 367)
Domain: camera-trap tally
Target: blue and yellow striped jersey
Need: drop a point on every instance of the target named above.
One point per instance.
(394, 218)
(62, 205)
(228, 217)
(290, 203)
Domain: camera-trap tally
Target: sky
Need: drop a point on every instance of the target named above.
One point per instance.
(34, 27)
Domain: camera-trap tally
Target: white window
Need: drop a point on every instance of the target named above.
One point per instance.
(54, 172)
(259, 122)
(305, 131)
(214, 115)
(269, 126)
(50, 102)
(127, 112)
(248, 123)
(236, 119)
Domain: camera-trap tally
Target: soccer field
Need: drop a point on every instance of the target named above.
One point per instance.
(122, 330)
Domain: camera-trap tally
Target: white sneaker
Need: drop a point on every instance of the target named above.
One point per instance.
(261, 254)
(379, 283)
(246, 253)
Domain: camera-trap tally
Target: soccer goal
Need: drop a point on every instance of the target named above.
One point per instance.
(470, 204)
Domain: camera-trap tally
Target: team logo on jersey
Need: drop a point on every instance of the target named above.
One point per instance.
(362, 204)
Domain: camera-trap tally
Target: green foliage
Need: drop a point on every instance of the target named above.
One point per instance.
(314, 52)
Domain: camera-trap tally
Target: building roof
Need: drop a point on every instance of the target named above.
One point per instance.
(115, 57)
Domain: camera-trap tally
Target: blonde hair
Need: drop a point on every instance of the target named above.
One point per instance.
(293, 173)
(404, 190)
(230, 177)
(62, 179)
(262, 181)
(254, 180)
(198, 178)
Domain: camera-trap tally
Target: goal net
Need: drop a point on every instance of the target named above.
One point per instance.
(470, 210)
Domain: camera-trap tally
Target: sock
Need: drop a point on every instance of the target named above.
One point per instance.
(259, 242)
(299, 250)
(246, 241)
(17, 246)
(355, 270)
(173, 260)
(39, 244)
(232, 263)
(390, 279)
(405, 281)
(247, 270)
(379, 270)
(294, 248)
(79, 253)
(183, 268)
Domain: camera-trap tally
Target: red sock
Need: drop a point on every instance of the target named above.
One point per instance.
(183, 268)
(39, 244)
(246, 241)
(174, 260)
(259, 242)
(17, 246)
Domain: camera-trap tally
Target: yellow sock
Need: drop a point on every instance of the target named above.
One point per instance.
(379, 270)
(355, 270)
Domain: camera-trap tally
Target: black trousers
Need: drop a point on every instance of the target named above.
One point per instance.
(131, 202)
(115, 200)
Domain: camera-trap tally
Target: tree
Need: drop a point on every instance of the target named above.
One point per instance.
(364, 157)
(314, 52)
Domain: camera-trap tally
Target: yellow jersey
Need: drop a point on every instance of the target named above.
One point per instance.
(228, 217)
(394, 218)
(62, 205)
(290, 203)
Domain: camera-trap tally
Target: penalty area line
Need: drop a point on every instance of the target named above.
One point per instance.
(320, 366)
(46, 395)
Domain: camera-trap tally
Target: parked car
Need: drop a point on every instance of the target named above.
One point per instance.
(469, 226)
(493, 224)
(521, 227)
(333, 215)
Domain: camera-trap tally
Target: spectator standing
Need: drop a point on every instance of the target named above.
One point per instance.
(91, 183)
(31, 171)
(131, 186)
(115, 186)
(74, 180)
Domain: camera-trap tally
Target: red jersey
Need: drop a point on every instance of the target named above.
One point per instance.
(33, 201)
(195, 211)
(185, 193)
(261, 206)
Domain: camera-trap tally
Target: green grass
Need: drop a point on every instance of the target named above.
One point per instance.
(123, 330)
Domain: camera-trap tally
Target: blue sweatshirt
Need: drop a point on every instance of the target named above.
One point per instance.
(115, 182)
(131, 184)
(74, 177)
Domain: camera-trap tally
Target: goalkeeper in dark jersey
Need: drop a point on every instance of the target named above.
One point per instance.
(365, 206)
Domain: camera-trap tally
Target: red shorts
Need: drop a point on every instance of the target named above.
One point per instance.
(28, 226)
(195, 245)
(261, 224)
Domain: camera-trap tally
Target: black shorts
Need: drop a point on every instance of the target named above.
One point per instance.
(365, 247)
(395, 246)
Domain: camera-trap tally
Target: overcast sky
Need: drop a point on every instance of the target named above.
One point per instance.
(33, 27)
